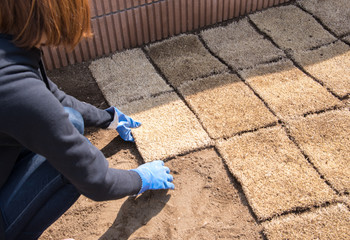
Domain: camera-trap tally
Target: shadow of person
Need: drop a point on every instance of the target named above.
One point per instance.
(135, 213)
(118, 144)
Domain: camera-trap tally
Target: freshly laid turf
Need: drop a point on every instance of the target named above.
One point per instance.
(168, 127)
(347, 39)
(287, 90)
(334, 14)
(240, 45)
(332, 222)
(274, 174)
(325, 139)
(225, 105)
(330, 65)
(280, 24)
(184, 58)
(127, 76)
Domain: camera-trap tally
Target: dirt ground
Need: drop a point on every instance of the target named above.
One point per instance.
(206, 204)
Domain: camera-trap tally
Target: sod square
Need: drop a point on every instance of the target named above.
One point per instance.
(184, 58)
(240, 45)
(168, 127)
(325, 138)
(126, 77)
(347, 39)
(291, 28)
(346, 200)
(347, 103)
(329, 64)
(225, 105)
(287, 90)
(332, 222)
(274, 174)
(334, 14)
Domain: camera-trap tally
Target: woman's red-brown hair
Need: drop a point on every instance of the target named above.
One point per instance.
(60, 21)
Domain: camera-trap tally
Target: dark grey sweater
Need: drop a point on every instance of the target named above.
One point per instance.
(32, 117)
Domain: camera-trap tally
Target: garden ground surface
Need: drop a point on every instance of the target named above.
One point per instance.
(253, 118)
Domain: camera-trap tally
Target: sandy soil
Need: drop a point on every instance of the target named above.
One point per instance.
(206, 203)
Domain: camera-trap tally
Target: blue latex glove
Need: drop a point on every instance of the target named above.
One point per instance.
(123, 124)
(154, 175)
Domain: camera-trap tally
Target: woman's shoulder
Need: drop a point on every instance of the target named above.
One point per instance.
(11, 55)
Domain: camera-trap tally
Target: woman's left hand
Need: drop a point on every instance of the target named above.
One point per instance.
(123, 124)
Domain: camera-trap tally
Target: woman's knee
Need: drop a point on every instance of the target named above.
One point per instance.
(76, 119)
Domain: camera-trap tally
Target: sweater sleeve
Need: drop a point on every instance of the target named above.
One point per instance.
(92, 116)
(35, 117)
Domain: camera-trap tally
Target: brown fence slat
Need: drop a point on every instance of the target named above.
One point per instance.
(107, 7)
(220, 10)
(98, 42)
(237, 8)
(254, 5)
(145, 24)
(202, 18)
(189, 15)
(248, 7)
(102, 24)
(132, 28)
(260, 5)
(196, 14)
(231, 9)
(130, 22)
(90, 42)
(170, 17)
(78, 54)
(243, 5)
(62, 56)
(114, 5)
(207, 13)
(158, 20)
(111, 33)
(177, 13)
(165, 19)
(265, 3)
(138, 26)
(118, 32)
(121, 4)
(84, 51)
(183, 13)
(46, 58)
(214, 7)
(99, 7)
(124, 28)
(70, 57)
(151, 22)
(55, 57)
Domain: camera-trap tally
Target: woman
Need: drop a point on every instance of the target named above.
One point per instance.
(45, 161)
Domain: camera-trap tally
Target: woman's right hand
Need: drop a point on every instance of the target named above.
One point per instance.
(154, 176)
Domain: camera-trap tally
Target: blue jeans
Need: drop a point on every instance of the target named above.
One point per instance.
(36, 194)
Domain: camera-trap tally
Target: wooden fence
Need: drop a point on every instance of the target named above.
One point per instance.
(123, 24)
